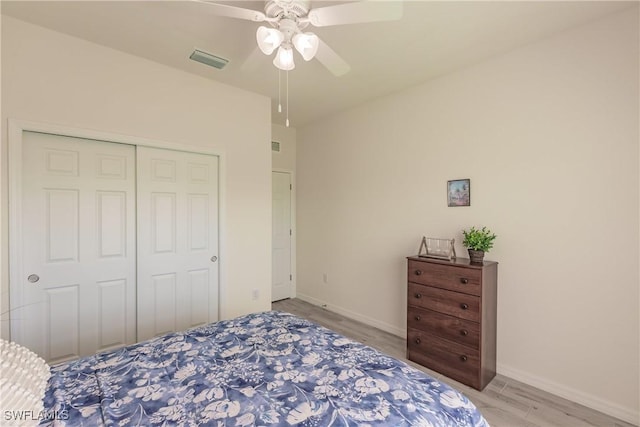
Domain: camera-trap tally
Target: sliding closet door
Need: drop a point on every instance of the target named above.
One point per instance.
(177, 240)
(77, 248)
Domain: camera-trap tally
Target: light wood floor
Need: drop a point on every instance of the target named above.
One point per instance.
(504, 402)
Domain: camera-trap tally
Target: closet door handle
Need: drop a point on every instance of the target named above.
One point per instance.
(214, 258)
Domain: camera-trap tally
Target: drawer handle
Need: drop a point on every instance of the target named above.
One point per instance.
(464, 306)
(417, 318)
(417, 341)
(463, 358)
(464, 332)
(418, 272)
(418, 296)
(464, 281)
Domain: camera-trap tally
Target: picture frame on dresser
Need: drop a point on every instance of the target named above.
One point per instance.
(452, 318)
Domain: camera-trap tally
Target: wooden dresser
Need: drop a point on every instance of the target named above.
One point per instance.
(451, 318)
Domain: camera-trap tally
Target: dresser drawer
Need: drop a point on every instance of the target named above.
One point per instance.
(453, 360)
(445, 276)
(452, 303)
(449, 327)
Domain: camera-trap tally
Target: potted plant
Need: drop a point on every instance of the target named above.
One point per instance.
(477, 242)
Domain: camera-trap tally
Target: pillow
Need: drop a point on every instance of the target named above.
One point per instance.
(23, 379)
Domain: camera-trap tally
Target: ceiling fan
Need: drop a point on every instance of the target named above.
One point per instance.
(288, 19)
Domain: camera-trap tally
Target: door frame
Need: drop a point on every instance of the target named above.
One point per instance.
(16, 127)
(293, 258)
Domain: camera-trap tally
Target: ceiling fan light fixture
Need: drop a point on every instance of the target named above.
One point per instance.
(284, 58)
(268, 39)
(289, 17)
(306, 44)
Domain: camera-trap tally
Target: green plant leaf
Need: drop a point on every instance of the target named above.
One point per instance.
(478, 239)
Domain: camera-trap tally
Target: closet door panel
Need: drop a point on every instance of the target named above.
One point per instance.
(177, 238)
(77, 247)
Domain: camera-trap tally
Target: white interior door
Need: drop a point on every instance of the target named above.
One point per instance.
(78, 247)
(177, 240)
(281, 236)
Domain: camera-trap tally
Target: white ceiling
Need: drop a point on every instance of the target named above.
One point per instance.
(432, 38)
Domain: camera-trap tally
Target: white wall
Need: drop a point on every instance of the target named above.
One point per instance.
(285, 160)
(548, 135)
(54, 78)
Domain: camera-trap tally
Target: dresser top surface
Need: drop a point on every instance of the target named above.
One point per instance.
(460, 262)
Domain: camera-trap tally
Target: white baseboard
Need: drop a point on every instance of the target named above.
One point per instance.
(613, 409)
(355, 316)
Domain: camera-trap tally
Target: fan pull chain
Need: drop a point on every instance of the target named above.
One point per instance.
(287, 121)
(279, 92)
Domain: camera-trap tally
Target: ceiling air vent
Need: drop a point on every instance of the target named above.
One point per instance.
(209, 59)
(275, 146)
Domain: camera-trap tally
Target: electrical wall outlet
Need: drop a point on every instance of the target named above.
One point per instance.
(255, 294)
(325, 278)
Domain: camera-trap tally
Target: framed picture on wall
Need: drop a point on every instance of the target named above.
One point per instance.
(459, 192)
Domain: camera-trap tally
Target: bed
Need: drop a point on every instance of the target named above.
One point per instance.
(264, 369)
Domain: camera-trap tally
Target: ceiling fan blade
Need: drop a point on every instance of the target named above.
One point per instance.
(357, 12)
(235, 12)
(330, 59)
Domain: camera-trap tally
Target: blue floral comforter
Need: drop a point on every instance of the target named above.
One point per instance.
(266, 369)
